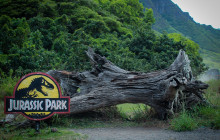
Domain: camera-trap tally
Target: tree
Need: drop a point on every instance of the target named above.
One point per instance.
(13, 33)
(192, 49)
(149, 17)
(129, 11)
(19, 8)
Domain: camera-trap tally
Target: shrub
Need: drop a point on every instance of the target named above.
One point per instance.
(7, 84)
(216, 121)
(207, 112)
(210, 116)
(184, 122)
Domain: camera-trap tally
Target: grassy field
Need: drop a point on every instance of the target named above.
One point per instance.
(211, 59)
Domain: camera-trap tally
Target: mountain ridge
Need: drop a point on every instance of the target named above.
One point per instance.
(173, 19)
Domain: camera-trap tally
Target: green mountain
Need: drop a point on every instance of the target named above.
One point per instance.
(170, 18)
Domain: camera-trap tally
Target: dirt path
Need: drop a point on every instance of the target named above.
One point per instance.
(142, 133)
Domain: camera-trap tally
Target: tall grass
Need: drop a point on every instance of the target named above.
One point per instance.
(207, 116)
(129, 111)
(135, 112)
(184, 122)
(212, 94)
(7, 84)
(45, 133)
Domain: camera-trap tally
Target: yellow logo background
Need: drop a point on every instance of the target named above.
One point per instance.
(52, 93)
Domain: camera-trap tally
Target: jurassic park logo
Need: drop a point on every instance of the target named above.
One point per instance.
(37, 96)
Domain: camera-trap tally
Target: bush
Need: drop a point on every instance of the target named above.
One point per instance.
(184, 122)
(207, 112)
(207, 116)
(7, 84)
(216, 122)
(201, 116)
(210, 116)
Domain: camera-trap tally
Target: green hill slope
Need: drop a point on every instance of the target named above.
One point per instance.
(170, 18)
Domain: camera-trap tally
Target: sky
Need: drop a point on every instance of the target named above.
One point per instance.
(202, 11)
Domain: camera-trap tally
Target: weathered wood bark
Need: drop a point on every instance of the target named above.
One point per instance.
(107, 85)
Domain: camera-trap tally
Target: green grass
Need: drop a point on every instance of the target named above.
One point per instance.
(211, 59)
(202, 116)
(7, 84)
(135, 112)
(98, 118)
(2, 115)
(212, 94)
(209, 117)
(76, 123)
(140, 115)
(45, 133)
(129, 108)
(184, 122)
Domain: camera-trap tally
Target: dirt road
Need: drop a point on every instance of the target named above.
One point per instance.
(142, 133)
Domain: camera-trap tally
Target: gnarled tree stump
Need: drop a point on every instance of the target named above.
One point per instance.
(106, 85)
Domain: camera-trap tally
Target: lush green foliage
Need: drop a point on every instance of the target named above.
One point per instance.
(184, 122)
(7, 85)
(210, 115)
(39, 35)
(192, 49)
(200, 116)
(19, 8)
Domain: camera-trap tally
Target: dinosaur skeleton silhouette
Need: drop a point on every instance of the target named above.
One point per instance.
(37, 84)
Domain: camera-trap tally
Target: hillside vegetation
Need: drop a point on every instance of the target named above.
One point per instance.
(170, 18)
(39, 35)
(211, 59)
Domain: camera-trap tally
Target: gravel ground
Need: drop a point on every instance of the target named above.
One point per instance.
(142, 133)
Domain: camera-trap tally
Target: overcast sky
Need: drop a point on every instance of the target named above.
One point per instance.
(202, 11)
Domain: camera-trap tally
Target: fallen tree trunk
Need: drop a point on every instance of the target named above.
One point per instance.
(107, 85)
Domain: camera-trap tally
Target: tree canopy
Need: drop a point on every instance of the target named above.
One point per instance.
(38, 35)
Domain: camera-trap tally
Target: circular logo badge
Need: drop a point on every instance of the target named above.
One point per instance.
(37, 96)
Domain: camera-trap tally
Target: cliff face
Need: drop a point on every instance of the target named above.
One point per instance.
(170, 18)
